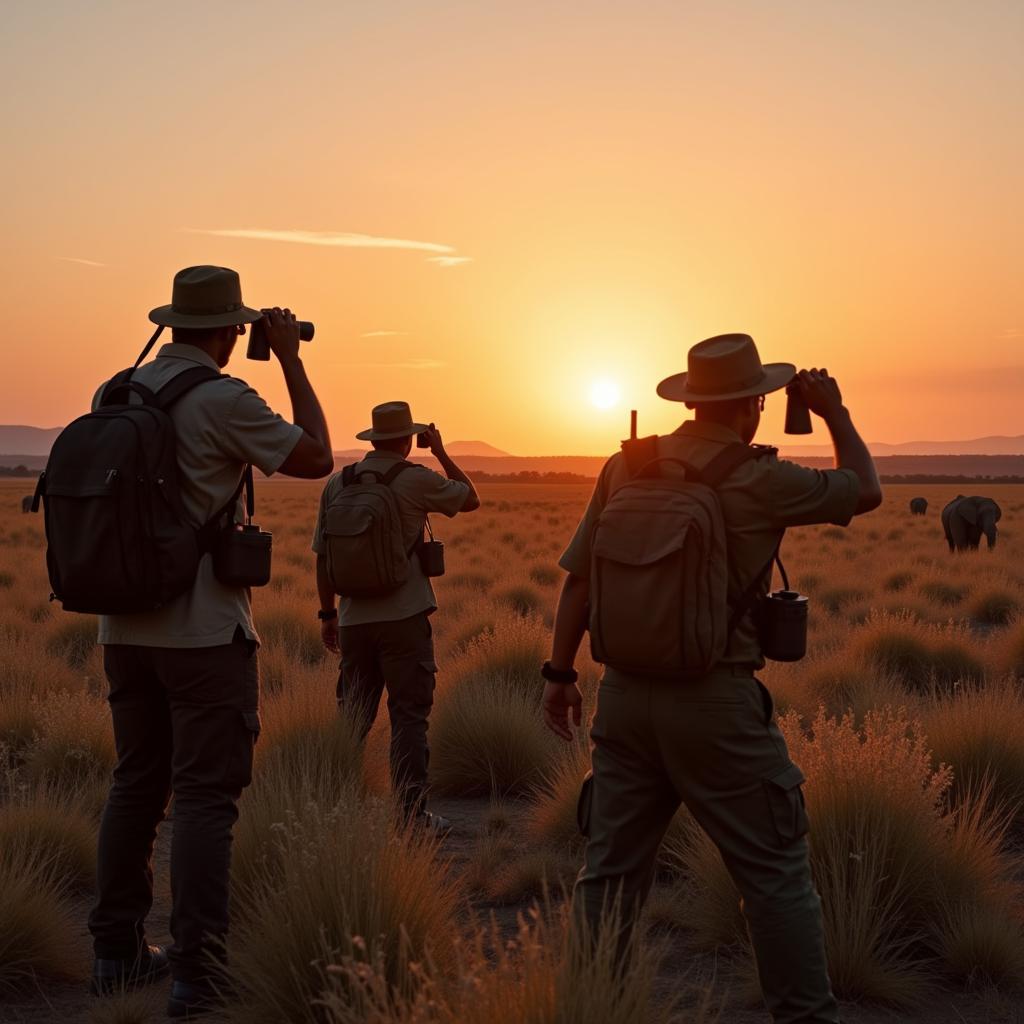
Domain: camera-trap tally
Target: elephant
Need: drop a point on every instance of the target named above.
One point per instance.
(966, 519)
(918, 506)
(26, 503)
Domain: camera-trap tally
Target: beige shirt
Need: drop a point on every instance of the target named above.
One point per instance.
(759, 500)
(418, 492)
(221, 425)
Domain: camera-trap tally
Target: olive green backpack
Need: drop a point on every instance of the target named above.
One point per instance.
(659, 573)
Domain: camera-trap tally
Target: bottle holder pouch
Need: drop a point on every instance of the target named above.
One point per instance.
(242, 556)
(431, 554)
(781, 618)
(242, 552)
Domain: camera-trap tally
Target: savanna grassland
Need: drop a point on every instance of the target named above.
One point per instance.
(907, 718)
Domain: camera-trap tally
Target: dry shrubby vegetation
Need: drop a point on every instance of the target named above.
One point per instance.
(907, 718)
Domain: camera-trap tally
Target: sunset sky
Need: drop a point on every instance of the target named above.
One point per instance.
(514, 214)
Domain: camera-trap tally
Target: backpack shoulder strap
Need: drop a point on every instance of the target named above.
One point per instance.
(120, 387)
(182, 383)
(394, 471)
(728, 460)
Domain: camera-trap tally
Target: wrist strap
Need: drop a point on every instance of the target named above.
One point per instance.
(556, 675)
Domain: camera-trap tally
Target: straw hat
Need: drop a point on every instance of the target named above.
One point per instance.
(390, 420)
(205, 297)
(724, 367)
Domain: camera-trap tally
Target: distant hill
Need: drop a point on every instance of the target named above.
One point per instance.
(27, 440)
(995, 445)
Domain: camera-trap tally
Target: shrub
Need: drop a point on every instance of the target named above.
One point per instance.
(545, 575)
(551, 818)
(487, 737)
(37, 939)
(995, 607)
(980, 732)
(514, 650)
(344, 884)
(51, 828)
(295, 633)
(943, 592)
(547, 973)
(75, 743)
(74, 640)
(522, 599)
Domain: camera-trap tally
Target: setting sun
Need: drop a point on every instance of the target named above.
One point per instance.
(605, 393)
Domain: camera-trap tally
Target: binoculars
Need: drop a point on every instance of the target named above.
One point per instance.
(259, 347)
(798, 416)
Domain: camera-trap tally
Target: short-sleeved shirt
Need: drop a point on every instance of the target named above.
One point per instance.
(418, 492)
(221, 426)
(759, 500)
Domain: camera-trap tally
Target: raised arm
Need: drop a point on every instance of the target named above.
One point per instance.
(452, 471)
(312, 456)
(823, 397)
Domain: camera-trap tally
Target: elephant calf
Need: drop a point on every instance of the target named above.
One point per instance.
(965, 519)
(918, 506)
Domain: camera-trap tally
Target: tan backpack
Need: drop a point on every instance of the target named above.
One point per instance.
(659, 573)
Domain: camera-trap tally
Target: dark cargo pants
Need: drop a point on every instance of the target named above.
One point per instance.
(185, 721)
(400, 656)
(711, 744)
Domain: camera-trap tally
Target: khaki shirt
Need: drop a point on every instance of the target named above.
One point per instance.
(221, 425)
(759, 500)
(418, 491)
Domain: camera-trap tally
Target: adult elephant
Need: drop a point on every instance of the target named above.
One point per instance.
(966, 519)
(918, 506)
(26, 503)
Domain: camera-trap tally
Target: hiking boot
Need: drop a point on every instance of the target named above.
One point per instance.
(192, 999)
(109, 976)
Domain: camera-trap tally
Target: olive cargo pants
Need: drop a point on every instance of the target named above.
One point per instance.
(400, 656)
(185, 719)
(711, 744)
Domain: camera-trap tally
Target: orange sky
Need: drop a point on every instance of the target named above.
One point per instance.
(614, 181)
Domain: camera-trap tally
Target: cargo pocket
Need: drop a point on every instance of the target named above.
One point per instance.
(585, 804)
(786, 801)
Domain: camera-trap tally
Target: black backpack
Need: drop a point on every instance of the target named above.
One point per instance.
(118, 539)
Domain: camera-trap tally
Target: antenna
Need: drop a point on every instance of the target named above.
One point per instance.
(632, 425)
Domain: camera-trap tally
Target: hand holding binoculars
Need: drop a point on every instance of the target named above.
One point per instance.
(259, 345)
(798, 415)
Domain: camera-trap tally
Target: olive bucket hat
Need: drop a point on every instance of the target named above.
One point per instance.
(205, 297)
(724, 367)
(391, 420)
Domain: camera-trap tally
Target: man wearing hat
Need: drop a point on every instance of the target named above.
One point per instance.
(711, 743)
(387, 641)
(184, 681)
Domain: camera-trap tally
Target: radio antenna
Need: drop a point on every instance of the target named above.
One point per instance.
(632, 425)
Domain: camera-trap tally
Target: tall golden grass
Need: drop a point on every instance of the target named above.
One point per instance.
(907, 717)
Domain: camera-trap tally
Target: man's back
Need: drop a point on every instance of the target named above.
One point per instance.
(759, 500)
(221, 425)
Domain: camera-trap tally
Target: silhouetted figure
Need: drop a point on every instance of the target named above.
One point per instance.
(708, 741)
(370, 550)
(26, 503)
(965, 519)
(918, 506)
(184, 680)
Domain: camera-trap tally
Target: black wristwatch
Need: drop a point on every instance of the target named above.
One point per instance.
(558, 675)
(327, 616)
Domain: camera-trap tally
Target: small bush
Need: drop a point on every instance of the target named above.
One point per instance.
(995, 607)
(292, 631)
(37, 939)
(523, 600)
(74, 746)
(944, 593)
(344, 884)
(487, 738)
(74, 640)
(545, 575)
(898, 581)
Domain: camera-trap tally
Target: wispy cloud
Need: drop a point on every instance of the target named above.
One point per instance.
(449, 261)
(335, 239)
(384, 334)
(84, 263)
(410, 364)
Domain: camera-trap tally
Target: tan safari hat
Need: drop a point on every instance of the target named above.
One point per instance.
(725, 367)
(392, 419)
(205, 297)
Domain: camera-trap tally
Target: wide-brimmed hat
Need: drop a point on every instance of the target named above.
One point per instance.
(205, 297)
(390, 420)
(724, 367)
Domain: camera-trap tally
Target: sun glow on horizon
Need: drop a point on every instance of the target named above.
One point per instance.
(605, 393)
